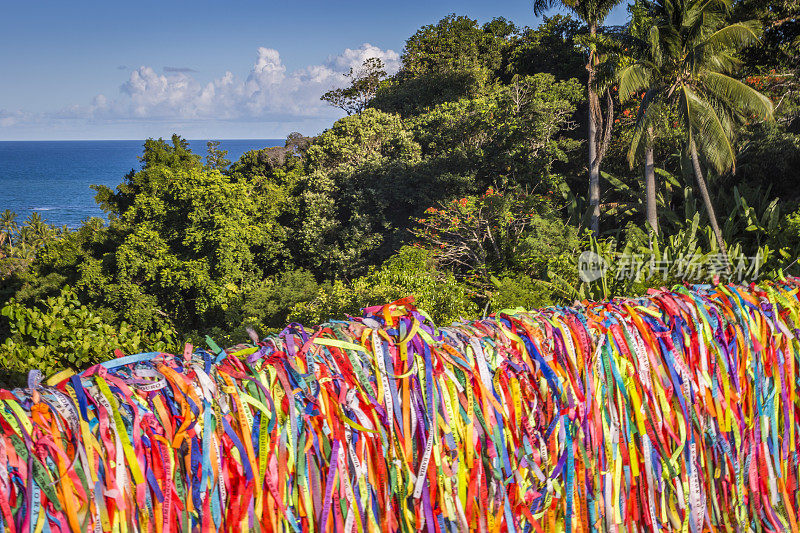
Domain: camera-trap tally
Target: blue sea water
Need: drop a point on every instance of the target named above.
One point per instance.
(52, 178)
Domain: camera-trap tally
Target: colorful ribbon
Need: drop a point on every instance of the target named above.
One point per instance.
(677, 411)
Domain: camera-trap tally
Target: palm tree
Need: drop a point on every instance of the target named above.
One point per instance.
(637, 52)
(8, 227)
(35, 231)
(690, 54)
(592, 13)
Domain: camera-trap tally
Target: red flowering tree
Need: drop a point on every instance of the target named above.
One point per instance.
(477, 236)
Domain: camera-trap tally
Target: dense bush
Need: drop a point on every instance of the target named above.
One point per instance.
(412, 272)
(66, 333)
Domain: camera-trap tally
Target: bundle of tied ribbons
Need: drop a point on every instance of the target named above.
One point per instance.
(676, 411)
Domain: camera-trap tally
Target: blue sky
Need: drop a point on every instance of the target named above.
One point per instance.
(236, 69)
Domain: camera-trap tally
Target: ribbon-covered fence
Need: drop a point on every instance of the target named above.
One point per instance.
(676, 411)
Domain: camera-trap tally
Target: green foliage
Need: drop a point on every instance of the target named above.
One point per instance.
(265, 307)
(550, 48)
(215, 158)
(770, 156)
(156, 154)
(364, 82)
(354, 140)
(444, 62)
(546, 257)
(182, 242)
(477, 235)
(548, 245)
(65, 333)
(773, 62)
(455, 44)
(779, 48)
(638, 261)
(344, 202)
(409, 95)
(411, 272)
(272, 163)
(19, 243)
(518, 290)
(791, 229)
(500, 243)
(514, 134)
(370, 175)
(591, 12)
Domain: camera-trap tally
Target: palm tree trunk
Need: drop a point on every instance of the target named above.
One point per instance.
(650, 185)
(594, 176)
(701, 184)
(594, 167)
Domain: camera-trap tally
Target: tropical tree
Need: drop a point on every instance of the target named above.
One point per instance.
(364, 83)
(8, 227)
(35, 231)
(637, 50)
(457, 44)
(593, 13)
(687, 67)
(215, 156)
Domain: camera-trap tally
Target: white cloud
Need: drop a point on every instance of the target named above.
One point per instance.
(177, 98)
(269, 91)
(11, 118)
(354, 58)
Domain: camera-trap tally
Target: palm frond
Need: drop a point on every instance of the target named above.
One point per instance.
(683, 107)
(709, 132)
(654, 40)
(606, 73)
(738, 96)
(724, 61)
(733, 36)
(634, 78)
(644, 118)
(542, 6)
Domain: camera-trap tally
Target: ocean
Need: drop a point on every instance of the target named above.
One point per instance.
(52, 178)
